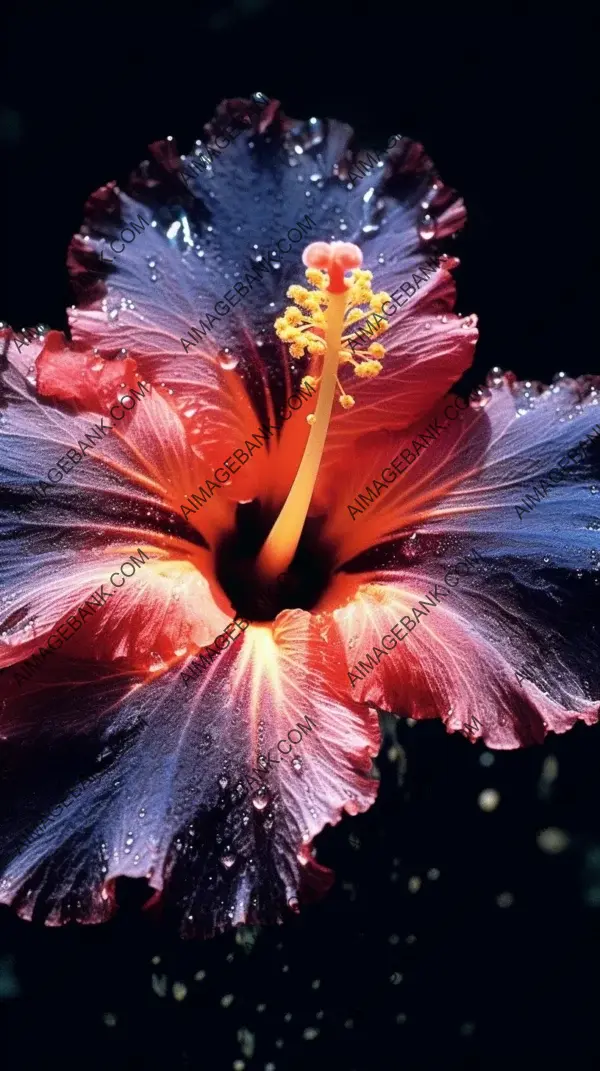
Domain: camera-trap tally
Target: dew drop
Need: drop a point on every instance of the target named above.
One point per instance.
(479, 397)
(427, 228)
(260, 799)
(227, 861)
(495, 377)
(297, 764)
(227, 360)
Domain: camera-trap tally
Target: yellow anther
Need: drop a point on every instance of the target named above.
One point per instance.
(305, 329)
(359, 275)
(360, 295)
(312, 302)
(309, 381)
(297, 293)
(368, 369)
(317, 277)
(379, 300)
(315, 345)
(311, 418)
(318, 318)
(286, 333)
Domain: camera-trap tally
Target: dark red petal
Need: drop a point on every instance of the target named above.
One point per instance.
(67, 374)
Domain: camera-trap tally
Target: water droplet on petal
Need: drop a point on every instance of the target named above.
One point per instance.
(479, 397)
(495, 377)
(227, 360)
(297, 764)
(260, 799)
(427, 228)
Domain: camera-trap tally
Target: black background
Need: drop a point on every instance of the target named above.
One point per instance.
(444, 976)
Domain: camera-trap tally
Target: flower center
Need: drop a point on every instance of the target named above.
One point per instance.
(318, 327)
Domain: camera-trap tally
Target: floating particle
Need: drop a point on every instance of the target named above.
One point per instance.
(9, 985)
(486, 758)
(109, 1019)
(488, 800)
(396, 978)
(246, 937)
(159, 984)
(310, 1033)
(227, 1000)
(414, 884)
(505, 899)
(548, 776)
(401, 1018)
(433, 873)
(316, 983)
(553, 840)
(199, 976)
(179, 990)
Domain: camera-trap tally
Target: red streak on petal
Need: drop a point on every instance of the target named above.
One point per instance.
(67, 374)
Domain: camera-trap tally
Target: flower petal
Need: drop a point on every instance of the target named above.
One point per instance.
(119, 495)
(428, 347)
(514, 605)
(220, 257)
(170, 805)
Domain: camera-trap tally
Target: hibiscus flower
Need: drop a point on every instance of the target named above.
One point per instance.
(142, 747)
